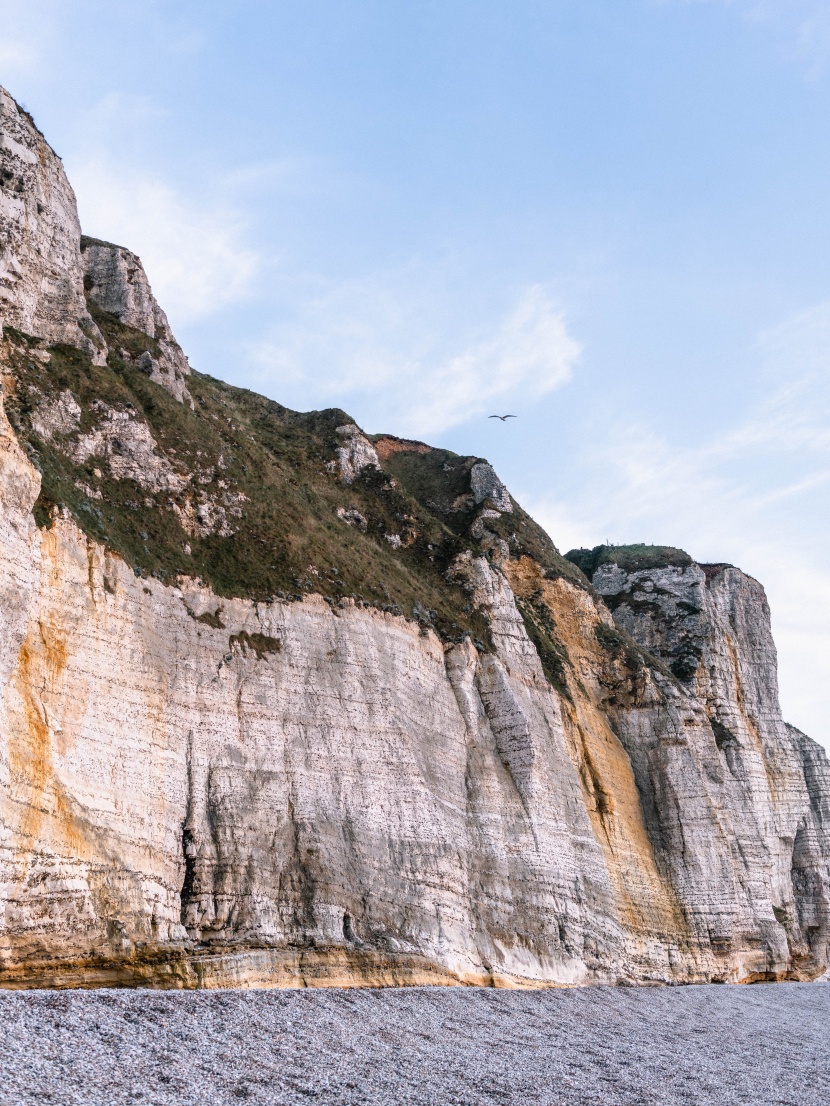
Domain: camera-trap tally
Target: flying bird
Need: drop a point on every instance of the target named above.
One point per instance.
(502, 417)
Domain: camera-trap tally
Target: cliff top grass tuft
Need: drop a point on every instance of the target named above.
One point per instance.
(87, 240)
(631, 558)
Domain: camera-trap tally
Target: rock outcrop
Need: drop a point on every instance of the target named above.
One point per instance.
(355, 454)
(283, 704)
(115, 281)
(485, 485)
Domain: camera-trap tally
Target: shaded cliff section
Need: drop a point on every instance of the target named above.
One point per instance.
(709, 625)
(284, 703)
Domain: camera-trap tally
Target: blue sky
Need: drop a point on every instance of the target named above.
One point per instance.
(607, 216)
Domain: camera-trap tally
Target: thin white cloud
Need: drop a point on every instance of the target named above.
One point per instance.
(530, 355)
(801, 27)
(117, 113)
(16, 57)
(756, 496)
(196, 238)
(369, 339)
(28, 35)
(195, 255)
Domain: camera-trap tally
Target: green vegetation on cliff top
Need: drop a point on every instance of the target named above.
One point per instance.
(267, 472)
(631, 558)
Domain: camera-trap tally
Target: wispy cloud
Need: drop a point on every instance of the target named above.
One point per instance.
(801, 27)
(27, 38)
(16, 57)
(529, 356)
(196, 256)
(755, 495)
(194, 240)
(367, 338)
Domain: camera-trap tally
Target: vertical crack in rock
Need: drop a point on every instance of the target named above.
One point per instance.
(297, 880)
(189, 844)
(508, 724)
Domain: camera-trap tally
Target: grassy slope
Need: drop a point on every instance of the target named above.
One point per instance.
(289, 539)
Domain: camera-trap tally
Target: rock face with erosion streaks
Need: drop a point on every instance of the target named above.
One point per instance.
(281, 703)
(711, 625)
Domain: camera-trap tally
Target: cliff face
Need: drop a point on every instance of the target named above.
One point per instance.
(711, 625)
(280, 704)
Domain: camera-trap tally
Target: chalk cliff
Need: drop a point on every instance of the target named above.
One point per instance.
(284, 704)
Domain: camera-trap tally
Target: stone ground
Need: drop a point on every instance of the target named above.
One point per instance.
(436, 1046)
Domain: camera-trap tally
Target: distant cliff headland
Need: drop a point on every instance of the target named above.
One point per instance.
(285, 704)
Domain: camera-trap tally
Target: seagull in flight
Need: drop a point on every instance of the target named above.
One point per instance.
(502, 417)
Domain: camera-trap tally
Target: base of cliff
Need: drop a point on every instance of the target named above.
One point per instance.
(214, 969)
(254, 968)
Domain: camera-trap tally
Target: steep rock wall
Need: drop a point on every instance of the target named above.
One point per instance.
(711, 623)
(193, 785)
(179, 770)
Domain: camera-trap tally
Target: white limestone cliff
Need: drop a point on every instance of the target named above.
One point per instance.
(198, 790)
(711, 623)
